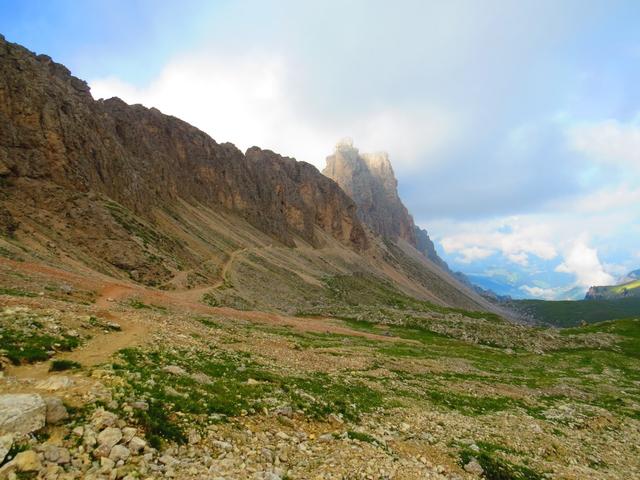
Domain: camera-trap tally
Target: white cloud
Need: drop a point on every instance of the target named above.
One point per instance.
(607, 142)
(472, 254)
(408, 135)
(242, 99)
(616, 198)
(583, 262)
(513, 238)
(539, 292)
(251, 99)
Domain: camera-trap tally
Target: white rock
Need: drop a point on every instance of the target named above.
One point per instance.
(57, 455)
(54, 383)
(128, 433)
(136, 445)
(109, 436)
(222, 445)
(474, 467)
(119, 452)
(21, 413)
(201, 378)
(168, 460)
(102, 419)
(174, 370)
(107, 463)
(194, 437)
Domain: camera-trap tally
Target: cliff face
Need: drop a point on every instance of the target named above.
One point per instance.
(370, 181)
(614, 292)
(52, 132)
(425, 245)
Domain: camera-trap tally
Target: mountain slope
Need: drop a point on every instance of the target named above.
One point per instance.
(131, 193)
(369, 179)
(628, 287)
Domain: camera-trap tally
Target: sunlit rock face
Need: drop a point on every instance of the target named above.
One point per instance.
(369, 180)
(59, 147)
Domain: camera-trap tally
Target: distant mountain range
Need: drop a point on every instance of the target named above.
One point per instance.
(629, 286)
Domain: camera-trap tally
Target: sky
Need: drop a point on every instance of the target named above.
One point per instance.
(513, 126)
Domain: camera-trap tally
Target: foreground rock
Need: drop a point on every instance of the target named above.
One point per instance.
(6, 441)
(27, 461)
(56, 411)
(22, 413)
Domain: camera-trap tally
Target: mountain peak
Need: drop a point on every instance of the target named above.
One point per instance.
(369, 180)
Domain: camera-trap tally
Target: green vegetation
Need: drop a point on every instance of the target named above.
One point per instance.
(628, 329)
(15, 449)
(497, 468)
(219, 384)
(14, 292)
(618, 289)
(226, 298)
(137, 227)
(61, 365)
(363, 289)
(490, 368)
(566, 313)
(470, 404)
(29, 346)
(208, 322)
(135, 303)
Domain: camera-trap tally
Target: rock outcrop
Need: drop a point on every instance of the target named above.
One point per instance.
(61, 150)
(627, 287)
(21, 413)
(425, 245)
(369, 180)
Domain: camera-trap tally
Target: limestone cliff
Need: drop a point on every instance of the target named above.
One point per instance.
(369, 180)
(56, 139)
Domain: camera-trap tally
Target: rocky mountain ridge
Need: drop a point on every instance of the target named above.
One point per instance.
(134, 194)
(629, 286)
(369, 180)
(51, 130)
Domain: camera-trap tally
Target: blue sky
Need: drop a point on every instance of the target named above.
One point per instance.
(514, 127)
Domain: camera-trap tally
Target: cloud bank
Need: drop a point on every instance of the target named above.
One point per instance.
(512, 136)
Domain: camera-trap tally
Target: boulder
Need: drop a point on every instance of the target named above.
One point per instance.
(102, 419)
(110, 436)
(26, 461)
(473, 466)
(128, 433)
(174, 370)
(56, 411)
(21, 413)
(136, 445)
(54, 383)
(57, 455)
(119, 452)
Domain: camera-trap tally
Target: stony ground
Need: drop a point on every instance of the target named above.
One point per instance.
(104, 380)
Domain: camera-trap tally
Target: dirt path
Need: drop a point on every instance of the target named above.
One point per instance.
(134, 331)
(194, 294)
(112, 293)
(101, 346)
